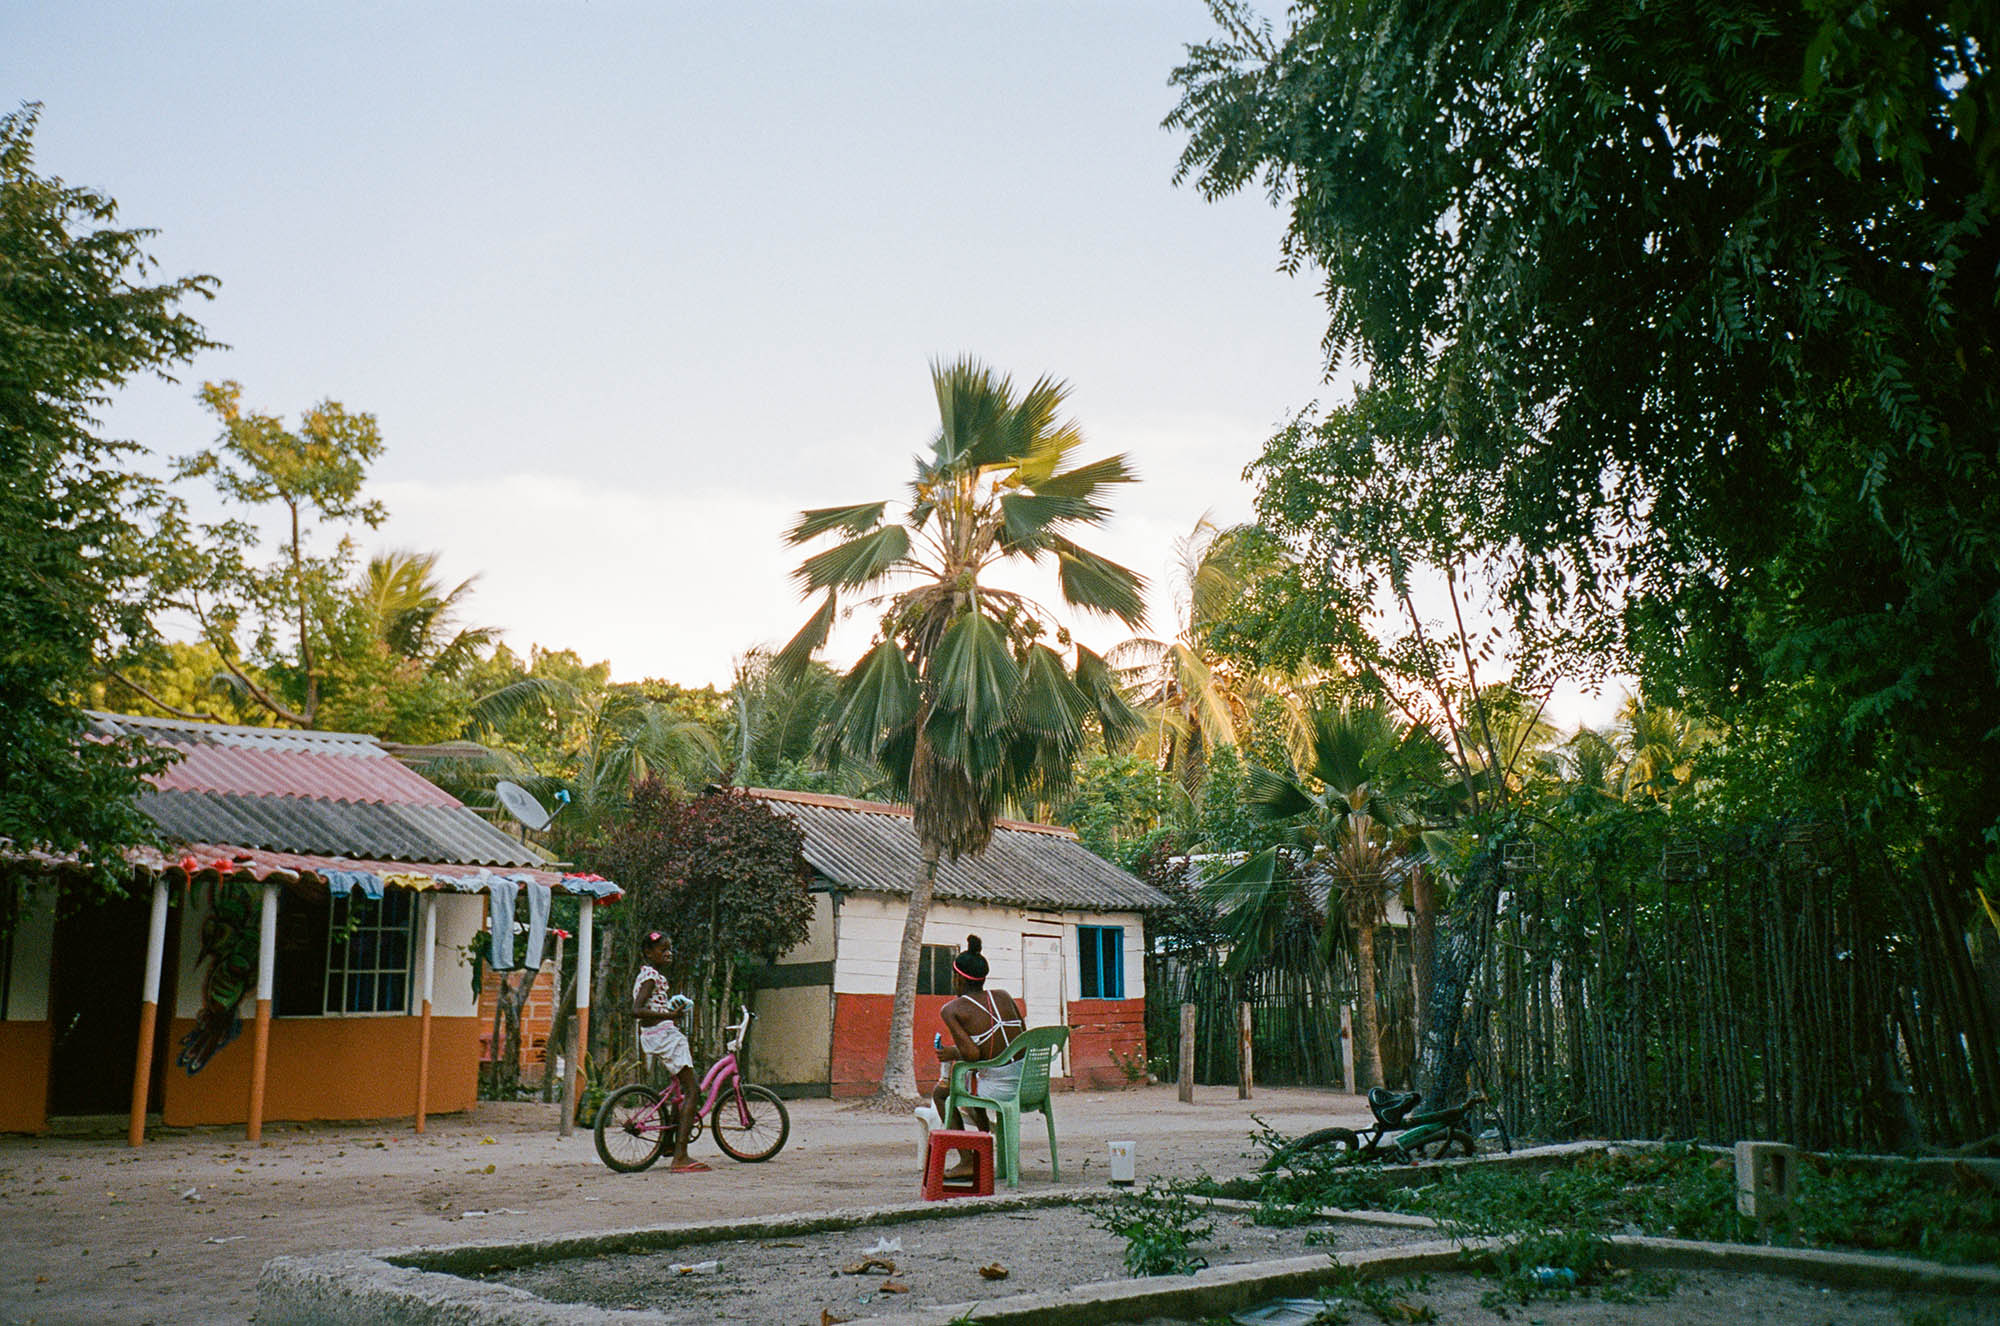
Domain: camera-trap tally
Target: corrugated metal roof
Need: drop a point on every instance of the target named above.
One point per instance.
(320, 794)
(872, 847)
(237, 863)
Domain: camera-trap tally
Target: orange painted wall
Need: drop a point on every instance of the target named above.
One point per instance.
(24, 1068)
(329, 1068)
(1100, 1026)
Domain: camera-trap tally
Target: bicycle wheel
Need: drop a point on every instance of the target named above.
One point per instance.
(632, 1129)
(1326, 1143)
(1452, 1142)
(765, 1133)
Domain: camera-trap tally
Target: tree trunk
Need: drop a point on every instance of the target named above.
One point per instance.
(899, 1077)
(1446, 1051)
(1368, 1030)
(1423, 939)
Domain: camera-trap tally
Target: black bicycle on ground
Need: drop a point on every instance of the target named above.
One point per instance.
(1402, 1133)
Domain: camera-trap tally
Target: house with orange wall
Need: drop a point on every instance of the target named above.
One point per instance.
(297, 949)
(1062, 929)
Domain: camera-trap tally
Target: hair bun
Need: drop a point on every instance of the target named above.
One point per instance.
(972, 943)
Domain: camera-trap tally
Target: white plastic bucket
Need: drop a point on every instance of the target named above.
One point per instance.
(1122, 1156)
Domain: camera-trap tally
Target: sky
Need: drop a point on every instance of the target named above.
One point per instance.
(627, 285)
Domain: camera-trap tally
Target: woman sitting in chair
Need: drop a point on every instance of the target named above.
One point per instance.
(981, 1024)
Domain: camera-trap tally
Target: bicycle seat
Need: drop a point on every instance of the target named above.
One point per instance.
(1390, 1106)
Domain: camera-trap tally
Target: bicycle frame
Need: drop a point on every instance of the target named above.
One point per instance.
(719, 1075)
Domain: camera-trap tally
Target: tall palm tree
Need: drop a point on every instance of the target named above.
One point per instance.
(960, 699)
(1195, 698)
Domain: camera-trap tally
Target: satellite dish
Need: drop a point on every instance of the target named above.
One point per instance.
(521, 804)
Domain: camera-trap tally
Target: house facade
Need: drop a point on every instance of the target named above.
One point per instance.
(301, 949)
(1062, 929)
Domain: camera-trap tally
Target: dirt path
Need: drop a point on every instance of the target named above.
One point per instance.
(93, 1231)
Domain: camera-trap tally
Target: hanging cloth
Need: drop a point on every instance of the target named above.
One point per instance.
(500, 893)
(538, 925)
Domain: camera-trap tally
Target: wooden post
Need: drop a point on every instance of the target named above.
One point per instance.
(1187, 1054)
(1347, 1047)
(267, 969)
(428, 945)
(580, 1047)
(1243, 1051)
(149, 1012)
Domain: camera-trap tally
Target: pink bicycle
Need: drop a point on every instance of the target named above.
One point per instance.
(636, 1124)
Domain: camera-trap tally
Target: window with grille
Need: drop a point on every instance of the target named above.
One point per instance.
(1101, 956)
(934, 969)
(369, 943)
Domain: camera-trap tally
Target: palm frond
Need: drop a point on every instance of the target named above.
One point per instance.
(1098, 584)
(790, 661)
(853, 519)
(1049, 703)
(878, 696)
(973, 675)
(858, 562)
(1116, 718)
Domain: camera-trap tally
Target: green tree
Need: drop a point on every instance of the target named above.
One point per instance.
(722, 874)
(1359, 803)
(77, 319)
(292, 607)
(961, 699)
(1197, 697)
(1666, 310)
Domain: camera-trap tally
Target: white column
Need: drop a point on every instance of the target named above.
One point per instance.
(585, 943)
(428, 982)
(267, 974)
(149, 1012)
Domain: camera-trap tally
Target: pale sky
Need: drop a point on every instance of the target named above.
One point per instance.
(629, 284)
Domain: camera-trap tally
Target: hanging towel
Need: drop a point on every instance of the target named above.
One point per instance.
(500, 893)
(538, 925)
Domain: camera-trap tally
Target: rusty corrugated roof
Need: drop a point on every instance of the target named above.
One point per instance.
(314, 794)
(872, 847)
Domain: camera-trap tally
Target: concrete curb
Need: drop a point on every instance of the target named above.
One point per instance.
(429, 1285)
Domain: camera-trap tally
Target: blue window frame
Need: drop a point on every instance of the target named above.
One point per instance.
(1101, 957)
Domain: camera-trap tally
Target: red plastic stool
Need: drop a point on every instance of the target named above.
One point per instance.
(944, 1141)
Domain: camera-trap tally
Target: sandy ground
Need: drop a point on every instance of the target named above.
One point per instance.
(92, 1230)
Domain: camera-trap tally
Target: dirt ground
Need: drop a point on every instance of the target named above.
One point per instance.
(92, 1230)
(794, 1279)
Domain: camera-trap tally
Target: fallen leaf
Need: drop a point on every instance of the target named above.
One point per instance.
(994, 1272)
(488, 1141)
(894, 1287)
(867, 1264)
(825, 1318)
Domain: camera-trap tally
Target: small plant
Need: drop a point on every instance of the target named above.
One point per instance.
(1542, 1265)
(1132, 1065)
(1386, 1302)
(1160, 1227)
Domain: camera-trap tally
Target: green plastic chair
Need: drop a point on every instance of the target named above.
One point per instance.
(1034, 1049)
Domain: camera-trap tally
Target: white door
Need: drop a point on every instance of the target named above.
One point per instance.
(1042, 989)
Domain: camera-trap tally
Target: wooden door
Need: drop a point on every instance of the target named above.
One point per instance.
(1042, 989)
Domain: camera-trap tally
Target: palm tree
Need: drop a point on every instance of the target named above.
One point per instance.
(1195, 698)
(960, 699)
(1356, 809)
(1661, 743)
(412, 613)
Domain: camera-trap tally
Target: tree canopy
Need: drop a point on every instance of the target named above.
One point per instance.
(1678, 323)
(77, 318)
